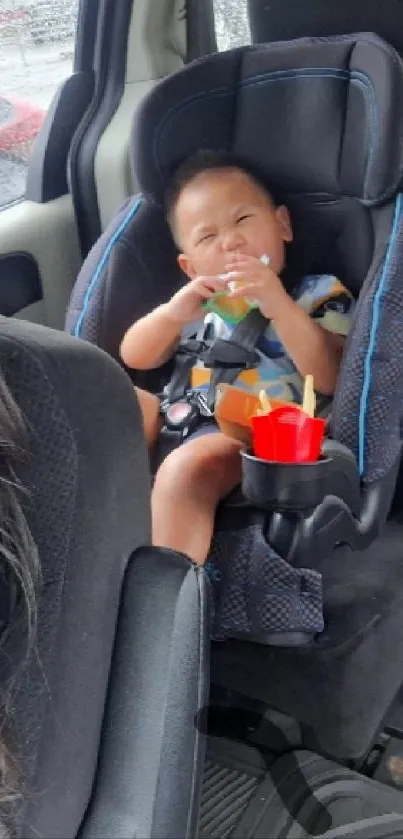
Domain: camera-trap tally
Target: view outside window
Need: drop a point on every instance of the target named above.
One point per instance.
(36, 56)
(231, 23)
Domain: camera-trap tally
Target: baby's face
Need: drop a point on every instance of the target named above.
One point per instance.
(222, 213)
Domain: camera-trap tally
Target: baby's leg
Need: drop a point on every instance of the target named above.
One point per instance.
(188, 487)
(152, 420)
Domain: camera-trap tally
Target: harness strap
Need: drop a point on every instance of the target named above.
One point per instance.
(227, 358)
(246, 335)
(184, 362)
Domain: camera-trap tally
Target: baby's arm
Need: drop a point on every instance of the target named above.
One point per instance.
(313, 349)
(151, 341)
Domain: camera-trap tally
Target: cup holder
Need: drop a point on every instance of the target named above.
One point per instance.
(293, 487)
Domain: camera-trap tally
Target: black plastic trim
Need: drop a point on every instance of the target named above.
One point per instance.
(87, 27)
(110, 69)
(200, 28)
(47, 171)
(20, 282)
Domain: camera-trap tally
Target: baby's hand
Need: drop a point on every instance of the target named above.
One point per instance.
(187, 304)
(259, 283)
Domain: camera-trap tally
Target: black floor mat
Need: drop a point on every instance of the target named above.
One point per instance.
(226, 795)
(299, 795)
(232, 775)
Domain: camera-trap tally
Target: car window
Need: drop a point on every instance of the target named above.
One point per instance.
(231, 23)
(36, 55)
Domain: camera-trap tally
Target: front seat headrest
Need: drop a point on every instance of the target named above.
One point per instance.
(342, 105)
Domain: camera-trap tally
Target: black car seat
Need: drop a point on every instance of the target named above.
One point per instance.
(110, 743)
(340, 170)
(102, 723)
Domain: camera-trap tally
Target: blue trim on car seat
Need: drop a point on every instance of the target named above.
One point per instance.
(376, 313)
(101, 265)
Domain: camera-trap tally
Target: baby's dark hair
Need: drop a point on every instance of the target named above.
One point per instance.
(207, 160)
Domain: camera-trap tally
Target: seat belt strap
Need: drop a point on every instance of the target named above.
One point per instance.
(226, 358)
(246, 334)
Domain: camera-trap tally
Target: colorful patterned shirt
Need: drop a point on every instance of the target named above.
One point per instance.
(323, 297)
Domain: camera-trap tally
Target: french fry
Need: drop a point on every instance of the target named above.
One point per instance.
(264, 402)
(309, 400)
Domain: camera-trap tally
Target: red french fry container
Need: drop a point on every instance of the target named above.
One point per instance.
(287, 435)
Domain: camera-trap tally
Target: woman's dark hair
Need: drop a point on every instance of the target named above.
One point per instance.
(206, 160)
(18, 575)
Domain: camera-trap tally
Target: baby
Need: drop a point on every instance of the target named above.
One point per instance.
(224, 220)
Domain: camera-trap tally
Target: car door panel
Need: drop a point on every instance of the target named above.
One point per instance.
(39, 260)
(20, 283)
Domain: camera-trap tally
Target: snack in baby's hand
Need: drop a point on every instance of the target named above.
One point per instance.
(228, 308)
(232, 309)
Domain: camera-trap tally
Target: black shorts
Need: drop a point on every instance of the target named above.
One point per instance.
(205, 427)
(167, 443)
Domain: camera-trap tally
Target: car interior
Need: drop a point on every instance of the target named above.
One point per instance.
(129, 720)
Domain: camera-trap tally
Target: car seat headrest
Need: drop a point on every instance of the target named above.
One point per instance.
(286, 19)
(319, 116)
